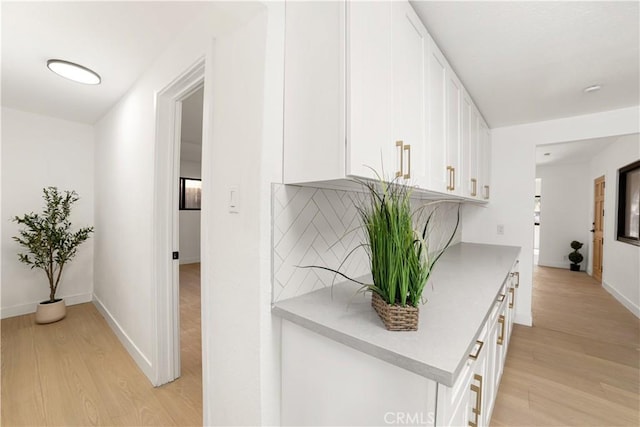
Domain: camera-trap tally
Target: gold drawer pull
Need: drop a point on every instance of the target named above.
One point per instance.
(486, 192)
(399, 145)
(501, 297)
(512, 300)
(501, 336)
(517, 274)
(407, 148)
(474, 185)
(475, 356)
(477, 389)
(453, 179)
(449, 169)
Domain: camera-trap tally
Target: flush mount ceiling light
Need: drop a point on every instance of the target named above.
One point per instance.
(592, 88)
(74, 72)
(547, 154)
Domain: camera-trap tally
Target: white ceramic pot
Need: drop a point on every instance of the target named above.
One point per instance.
(49, 312)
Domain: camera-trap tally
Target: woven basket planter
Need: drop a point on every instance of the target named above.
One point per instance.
(395, 317)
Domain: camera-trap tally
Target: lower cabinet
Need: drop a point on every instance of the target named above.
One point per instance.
(325, 382)
(471, 400)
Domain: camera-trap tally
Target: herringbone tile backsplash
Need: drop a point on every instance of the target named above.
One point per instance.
(314, 226)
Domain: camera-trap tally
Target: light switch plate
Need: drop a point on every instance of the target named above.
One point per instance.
(234, 199)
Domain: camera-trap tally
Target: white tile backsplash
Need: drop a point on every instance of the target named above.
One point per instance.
(317, 226)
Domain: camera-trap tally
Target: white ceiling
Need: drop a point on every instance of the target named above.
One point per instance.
(118, 40)
(529, 61)
(572, 152)
(521, 61)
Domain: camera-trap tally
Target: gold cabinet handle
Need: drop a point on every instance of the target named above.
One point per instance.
(475, 356)
(448, 178)
(477, 389)
(399, 172)
(486, 192)
(501, 297)
(517, 274)
(453, 180)
(501, 336)
(407, 148)
(512, 300)
(474, 185)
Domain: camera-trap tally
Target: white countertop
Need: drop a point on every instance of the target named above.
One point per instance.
(460, 294)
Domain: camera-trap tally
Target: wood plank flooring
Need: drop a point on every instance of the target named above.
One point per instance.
(76, 373)
(579, 365)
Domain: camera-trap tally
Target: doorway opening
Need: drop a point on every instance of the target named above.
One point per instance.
(189, 235)
(178, 99)
(536, 221)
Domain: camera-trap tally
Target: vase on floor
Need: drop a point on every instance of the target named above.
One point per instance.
(49, 312)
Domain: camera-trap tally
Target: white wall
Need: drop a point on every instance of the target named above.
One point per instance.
(564, 214)
(37, 152)
(189, 220)
(240, 375)
(621, 261)
(513, 175)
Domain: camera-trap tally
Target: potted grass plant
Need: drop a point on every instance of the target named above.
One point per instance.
(400, 258)
(50, 245)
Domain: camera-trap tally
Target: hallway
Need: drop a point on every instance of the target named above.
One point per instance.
(75, 372)
(580, 363)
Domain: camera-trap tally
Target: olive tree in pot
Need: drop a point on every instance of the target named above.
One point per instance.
(575, 257)
(50, 244)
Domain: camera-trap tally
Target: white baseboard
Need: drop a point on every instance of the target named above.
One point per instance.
(564, 265)
(19, 310)
(523, 319)
(629, 305)
(141, 360)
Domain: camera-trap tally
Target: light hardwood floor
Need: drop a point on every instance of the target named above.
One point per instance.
(578, 365)
(76, 373)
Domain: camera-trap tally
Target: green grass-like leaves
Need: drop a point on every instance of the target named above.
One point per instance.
(399, 256)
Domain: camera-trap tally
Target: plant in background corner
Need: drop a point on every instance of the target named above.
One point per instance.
(47, 237)
(575, 257)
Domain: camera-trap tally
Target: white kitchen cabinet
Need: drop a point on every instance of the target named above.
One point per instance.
(469, 157)
(367, 90)
(354, 91)
(484, 140)
(462, 404)
(437, 119)
(445, 122)
(340, 366)
(370, 96)
(410, 43)
(454, 132)
(325, 383)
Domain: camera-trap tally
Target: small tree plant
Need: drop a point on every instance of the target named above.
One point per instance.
(575, 257)
(48, 238)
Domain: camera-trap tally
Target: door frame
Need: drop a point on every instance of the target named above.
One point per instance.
(166, 270)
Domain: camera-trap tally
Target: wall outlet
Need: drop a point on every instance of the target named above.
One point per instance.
(500, 229)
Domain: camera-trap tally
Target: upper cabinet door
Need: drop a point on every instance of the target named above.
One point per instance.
(470, 159)
(485, 159)
(409, 47)
(370, 144)
(454, 132)
(436, 123)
